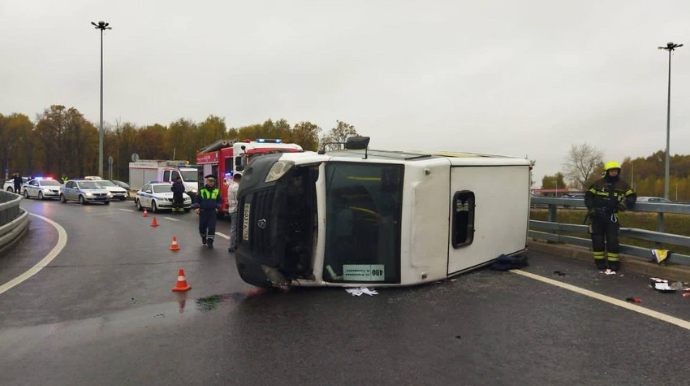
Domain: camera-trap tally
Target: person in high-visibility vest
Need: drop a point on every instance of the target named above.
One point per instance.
(605, 198)
(208, 203)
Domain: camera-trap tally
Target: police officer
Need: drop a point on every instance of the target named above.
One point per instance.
(208, 203)
(17, 180)
(178, 199)
(604, 199)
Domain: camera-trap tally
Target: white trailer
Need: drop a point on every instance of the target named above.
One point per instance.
(378, 218)
(144, 171)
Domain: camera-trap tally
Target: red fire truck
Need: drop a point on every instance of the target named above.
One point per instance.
(224, 158)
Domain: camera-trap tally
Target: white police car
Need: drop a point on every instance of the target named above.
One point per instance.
(42, 188)
(157, 196)
(115, 191)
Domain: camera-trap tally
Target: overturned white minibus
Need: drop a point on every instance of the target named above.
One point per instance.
(377, 218)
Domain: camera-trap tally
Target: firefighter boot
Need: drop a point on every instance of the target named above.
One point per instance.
(600, 261)
(614, 262)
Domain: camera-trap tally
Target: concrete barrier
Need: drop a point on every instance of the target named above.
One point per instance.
(14, 221)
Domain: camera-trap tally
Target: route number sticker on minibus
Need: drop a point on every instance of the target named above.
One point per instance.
(363, 272)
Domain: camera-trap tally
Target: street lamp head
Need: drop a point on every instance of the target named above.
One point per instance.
(670, 46)
(102, 25)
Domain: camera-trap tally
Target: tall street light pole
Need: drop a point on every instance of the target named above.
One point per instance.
(670, 46)
(101, 26)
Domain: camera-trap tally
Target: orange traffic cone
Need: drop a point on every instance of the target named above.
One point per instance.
(181, 283)
(146, 213)
(174, 246)
(154, 223)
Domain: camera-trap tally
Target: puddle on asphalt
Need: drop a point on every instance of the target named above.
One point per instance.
(213, 302)
(141, 317)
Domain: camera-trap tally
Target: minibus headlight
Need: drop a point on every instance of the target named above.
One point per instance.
(278, 170)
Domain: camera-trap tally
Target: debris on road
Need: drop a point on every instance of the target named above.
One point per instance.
(559, 273)
(506, 263)
(634, 300)
(609, 272)
(661, 285)
(660, 255)
(360, 291)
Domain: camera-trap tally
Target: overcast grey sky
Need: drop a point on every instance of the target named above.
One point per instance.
(505, 77)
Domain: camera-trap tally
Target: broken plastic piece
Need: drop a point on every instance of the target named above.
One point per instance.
(559, 273)
(661, 285)
(634, 300)
(609, 272)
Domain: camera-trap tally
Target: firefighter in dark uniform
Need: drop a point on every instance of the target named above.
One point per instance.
(604, 199)
(178, 199)
(208, 203)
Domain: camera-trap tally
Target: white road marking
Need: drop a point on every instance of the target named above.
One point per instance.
(127, 210)
(632, 307)
(62, 241)
(223, 235)
(171, 219)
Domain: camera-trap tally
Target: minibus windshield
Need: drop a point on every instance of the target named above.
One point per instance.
(363, 214)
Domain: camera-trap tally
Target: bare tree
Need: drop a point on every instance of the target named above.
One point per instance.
(581, 163)
(337, 135)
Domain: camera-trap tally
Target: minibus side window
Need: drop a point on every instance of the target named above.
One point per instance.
(463, 218)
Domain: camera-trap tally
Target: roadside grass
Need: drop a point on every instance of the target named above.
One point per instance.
(677, 224)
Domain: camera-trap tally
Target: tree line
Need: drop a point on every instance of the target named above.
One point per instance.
(584, 164)
(63, 143)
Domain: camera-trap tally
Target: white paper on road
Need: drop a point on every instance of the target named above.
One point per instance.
(361, 290)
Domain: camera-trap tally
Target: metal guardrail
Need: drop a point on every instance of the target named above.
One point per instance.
(13, 220)
(658, 237)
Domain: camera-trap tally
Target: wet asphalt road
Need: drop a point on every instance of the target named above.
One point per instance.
(103, 313)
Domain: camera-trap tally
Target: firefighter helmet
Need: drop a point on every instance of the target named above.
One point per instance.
(612, 165)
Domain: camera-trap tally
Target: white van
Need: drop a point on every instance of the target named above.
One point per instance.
(378, 218)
